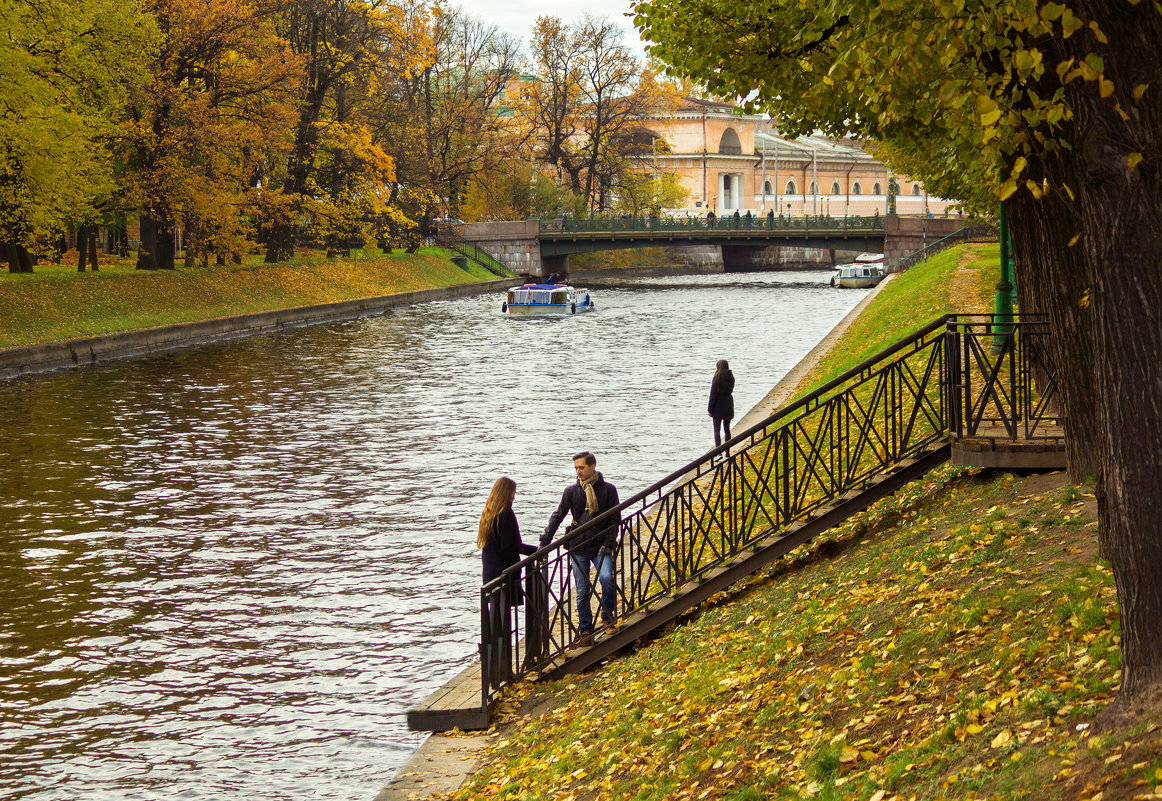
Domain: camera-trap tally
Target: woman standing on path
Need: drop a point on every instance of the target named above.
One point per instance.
(499, 536)
(721, 406)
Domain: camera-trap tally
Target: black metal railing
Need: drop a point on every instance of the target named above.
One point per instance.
(956, 375)
(762, 222)
(447, 236)
(972, 233)
(1003, 386)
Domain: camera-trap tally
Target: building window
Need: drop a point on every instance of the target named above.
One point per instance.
(856, 189)
(877, 189)
(767, 190)
(791, 188)
(916, 190)
(835, 189)
(729, 143)
(812, 189)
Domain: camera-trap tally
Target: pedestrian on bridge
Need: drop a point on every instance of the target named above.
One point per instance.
(585, 500)
(721, 405)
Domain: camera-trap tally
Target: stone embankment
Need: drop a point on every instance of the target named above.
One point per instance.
(54, 356)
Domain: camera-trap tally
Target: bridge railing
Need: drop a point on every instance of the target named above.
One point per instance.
(774, 222)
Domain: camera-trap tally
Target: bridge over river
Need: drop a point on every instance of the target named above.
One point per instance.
(540, 247)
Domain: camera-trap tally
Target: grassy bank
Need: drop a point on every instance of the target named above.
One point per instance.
(56, 302)
(956, 640)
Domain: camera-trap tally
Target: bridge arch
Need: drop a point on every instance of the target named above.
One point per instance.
(729, 144)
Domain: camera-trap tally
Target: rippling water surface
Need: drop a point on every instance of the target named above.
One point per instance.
(226, 573)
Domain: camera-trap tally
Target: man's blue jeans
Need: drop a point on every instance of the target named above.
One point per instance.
(604, 565)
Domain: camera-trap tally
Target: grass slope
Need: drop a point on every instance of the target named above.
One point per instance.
(956, 640)
(56, 302)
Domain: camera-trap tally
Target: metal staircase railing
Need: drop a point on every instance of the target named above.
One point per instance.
(949, 378)
(446, 236)
(974, 233)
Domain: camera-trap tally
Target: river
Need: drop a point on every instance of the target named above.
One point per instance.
(225, 573)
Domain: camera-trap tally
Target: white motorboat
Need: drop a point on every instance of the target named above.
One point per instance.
(547, 299)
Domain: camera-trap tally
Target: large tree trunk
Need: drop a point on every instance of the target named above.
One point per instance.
(1119, 216)
(82, 249)
(1052, 278)
(91, 244)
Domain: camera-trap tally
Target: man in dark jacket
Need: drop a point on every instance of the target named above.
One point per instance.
(585, 500)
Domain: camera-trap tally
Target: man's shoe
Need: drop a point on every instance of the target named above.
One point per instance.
(585, 640)
(612, 627)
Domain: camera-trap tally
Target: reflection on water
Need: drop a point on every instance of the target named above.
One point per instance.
(226, 573)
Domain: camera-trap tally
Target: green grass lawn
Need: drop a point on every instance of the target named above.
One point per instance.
(56, 302)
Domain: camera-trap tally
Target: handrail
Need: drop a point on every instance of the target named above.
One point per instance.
(768, 222)
(943, 380)
(450, 238)
(966, 234)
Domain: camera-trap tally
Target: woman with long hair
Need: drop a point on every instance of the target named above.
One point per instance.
(721, 406)
(498, 535)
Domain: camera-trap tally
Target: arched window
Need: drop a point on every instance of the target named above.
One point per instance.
(835, 189)
(916, 190)
(812, 189)
(856, 189)
(767, 188)
(729, 143)
(791, 188)
(877, 189)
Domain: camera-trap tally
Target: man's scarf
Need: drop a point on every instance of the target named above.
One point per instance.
(590, 494)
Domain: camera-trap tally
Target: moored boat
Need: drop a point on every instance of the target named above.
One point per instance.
(547, 299)
(857, 275)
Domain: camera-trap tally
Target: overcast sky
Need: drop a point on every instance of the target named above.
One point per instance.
(517, 16)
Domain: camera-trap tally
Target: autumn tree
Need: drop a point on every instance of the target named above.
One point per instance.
(448, 121)
(1057, 106)
(195, 133)
(64, 71)
(590, 103)
(336, 173)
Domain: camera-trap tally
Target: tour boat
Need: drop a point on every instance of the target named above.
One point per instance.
(858, 275)
(547, 299)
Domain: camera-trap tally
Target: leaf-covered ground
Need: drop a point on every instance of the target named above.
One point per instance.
(954, 641)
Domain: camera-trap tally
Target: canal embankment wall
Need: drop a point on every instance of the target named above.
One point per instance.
(52, 357)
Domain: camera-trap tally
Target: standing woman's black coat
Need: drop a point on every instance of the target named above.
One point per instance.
(721, 406)
(505, 548)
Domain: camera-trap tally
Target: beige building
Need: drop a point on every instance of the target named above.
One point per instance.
(732, 162)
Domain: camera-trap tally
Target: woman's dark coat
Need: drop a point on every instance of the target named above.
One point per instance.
(721, 406)
(505, 548)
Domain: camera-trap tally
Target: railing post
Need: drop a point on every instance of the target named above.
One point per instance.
(952, 375)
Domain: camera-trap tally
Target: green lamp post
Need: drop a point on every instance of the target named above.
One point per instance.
(1003, 306)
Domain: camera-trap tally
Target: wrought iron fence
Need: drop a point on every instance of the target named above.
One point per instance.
(1003, 383)
(762, 222)
(955, 374)
(972, 233)
(449, 237)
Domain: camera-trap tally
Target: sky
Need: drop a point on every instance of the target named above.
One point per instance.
(517, 16)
